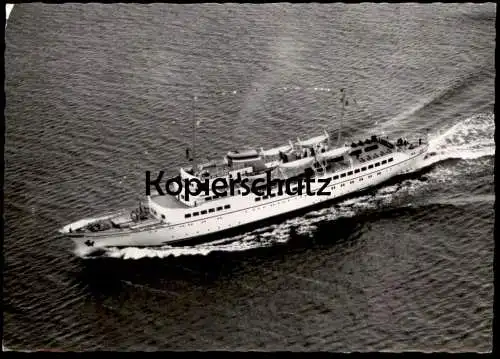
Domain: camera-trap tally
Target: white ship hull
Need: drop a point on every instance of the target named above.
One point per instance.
(245, 210)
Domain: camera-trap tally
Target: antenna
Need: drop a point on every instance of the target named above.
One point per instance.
(194, 131)
(342, 99)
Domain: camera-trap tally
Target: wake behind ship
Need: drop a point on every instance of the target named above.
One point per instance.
(168, 219)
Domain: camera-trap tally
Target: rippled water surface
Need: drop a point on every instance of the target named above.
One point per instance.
(98, 94)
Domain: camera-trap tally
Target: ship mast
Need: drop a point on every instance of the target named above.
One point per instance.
(342, 99)
(194, 132)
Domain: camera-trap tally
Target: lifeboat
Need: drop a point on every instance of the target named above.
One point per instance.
(333, 153)
(247, 155)
(314, 141)
(298, 164)
(242, 157)
(276, 151)
(297, 167)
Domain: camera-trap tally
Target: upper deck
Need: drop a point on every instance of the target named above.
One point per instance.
(313, 157)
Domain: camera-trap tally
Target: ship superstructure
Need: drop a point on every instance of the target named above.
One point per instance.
(334, 169)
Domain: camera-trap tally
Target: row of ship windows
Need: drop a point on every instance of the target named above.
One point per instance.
(272, 195)
(205, 211)
(377, 164)
(257, 199)
(217, 196)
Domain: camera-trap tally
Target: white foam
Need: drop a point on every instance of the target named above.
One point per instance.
(464, 200)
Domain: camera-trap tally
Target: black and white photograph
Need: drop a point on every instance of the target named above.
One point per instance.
(270, 177)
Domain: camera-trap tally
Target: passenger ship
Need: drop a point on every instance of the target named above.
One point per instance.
(174, 220)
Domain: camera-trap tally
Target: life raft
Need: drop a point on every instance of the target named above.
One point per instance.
(243, 155)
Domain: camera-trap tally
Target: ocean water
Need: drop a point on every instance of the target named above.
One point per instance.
(98, 94)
